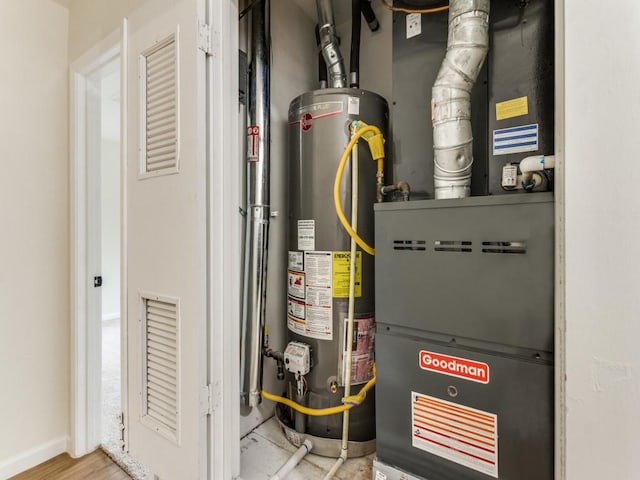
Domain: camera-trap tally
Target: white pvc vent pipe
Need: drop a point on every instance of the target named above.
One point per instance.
(467, 46)
(293, 461)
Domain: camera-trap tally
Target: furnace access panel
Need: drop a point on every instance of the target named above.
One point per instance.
(464, 340)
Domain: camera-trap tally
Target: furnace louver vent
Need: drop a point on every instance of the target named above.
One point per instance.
(159, 112)
(160, 409)
(412, 245)
(505, 247)
(462, 246)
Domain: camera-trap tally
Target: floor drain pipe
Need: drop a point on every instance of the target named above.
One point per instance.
(293, 461)
(257, 204)
(467, 46)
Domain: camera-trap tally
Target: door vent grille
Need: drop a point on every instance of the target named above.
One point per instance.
(159, 114)
(462, 246)
(411, 245)
(518, 248)
(161, 392)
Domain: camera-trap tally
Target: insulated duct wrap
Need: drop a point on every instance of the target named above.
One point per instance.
(467, 46)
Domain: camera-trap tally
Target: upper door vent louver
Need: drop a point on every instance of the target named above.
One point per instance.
(159, 112)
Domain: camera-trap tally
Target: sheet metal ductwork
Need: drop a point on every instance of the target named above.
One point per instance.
(329, 44)
(467, 47)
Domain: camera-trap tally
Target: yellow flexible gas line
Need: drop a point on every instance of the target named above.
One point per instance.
(377, 152)
(347, 402)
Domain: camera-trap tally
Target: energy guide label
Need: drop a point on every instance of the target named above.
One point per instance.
(458, 433)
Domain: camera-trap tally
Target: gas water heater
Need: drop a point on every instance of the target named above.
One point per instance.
(319, 264)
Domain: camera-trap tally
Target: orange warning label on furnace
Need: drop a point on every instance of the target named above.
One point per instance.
(461, 434)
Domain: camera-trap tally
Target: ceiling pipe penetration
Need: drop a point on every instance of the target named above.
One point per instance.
(467, 47)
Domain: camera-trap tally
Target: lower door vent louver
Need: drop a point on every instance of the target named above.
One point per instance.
(161, 382)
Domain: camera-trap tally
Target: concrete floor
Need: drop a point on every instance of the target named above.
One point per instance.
(265, 450)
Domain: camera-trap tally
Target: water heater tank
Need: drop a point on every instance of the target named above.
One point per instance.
(319, 256)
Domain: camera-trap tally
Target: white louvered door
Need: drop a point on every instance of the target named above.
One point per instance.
(166, 238)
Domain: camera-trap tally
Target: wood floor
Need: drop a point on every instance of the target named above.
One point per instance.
(95, 466)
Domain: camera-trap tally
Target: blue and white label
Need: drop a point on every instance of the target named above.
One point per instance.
(515, 139)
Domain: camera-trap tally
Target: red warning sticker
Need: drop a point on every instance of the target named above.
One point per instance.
(454, 366)
(253, 143)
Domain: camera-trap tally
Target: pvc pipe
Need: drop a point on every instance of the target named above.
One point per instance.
(293, 461)
(537, 163)
(346, 374)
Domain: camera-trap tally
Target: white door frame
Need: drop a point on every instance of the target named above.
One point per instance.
(86, 336)
(224, 242)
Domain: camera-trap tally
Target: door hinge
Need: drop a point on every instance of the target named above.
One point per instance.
(205, 38)
(122, 429)
(207, 400)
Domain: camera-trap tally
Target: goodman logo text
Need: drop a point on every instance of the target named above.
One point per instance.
(454, 366)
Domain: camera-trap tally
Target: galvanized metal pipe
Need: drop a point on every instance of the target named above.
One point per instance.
(258, 210)
(467, 46)
(329, 44)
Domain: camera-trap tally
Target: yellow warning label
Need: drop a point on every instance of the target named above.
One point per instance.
(341, 272)
(512, 108)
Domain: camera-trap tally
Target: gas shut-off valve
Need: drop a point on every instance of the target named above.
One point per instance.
(297, 358)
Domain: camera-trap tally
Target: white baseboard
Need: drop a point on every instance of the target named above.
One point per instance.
(110, 316)
(32, 457)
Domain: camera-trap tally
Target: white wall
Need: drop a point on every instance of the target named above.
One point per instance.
(375, 52)
(34, 258)
(93, 20)
(110, 242)
(110, 194)
(602, 116)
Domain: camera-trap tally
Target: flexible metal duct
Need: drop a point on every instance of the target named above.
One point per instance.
(467, 46)
(258, 211)
(329, 44)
